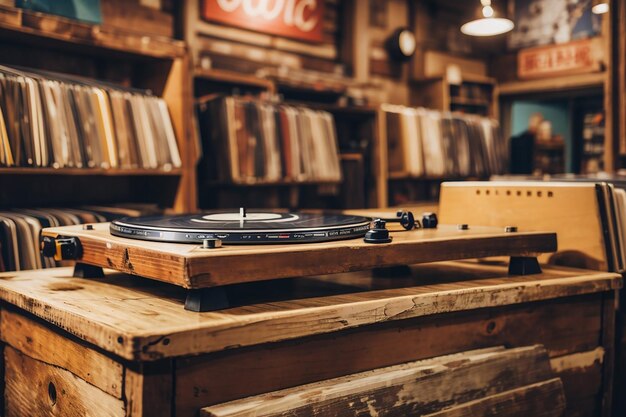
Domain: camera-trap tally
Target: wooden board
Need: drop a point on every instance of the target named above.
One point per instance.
(190, 266)
(34, 388)
(143, 320)
(415, 388)
(573, 349)
(570, 209)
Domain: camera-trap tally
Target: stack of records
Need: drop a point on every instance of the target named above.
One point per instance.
(249, 141)
(20, 230)
(435, 144)
(53, 120)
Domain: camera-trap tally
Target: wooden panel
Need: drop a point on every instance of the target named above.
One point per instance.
(51, 29)
(544, 399)
(415, 388)
(130, 15)
(148, 390)
(436, 63)
(572, 82)
(582, 375)
(533, 206)
(34, 388)
(140, 319)
(41, 343)
(190, 266)
(289, 364)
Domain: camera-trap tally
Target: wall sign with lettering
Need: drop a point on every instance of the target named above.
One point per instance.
(568, 58)
(298, 19)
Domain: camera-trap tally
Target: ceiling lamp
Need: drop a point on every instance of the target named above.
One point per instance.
(487, 23)
(600, 6)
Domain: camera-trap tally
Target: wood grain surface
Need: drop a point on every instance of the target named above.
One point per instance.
(569, 209)
(190, 266)
(144, 320)
(415, 388)
(570, 329)
(34, 388)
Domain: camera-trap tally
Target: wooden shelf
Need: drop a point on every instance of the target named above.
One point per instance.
(477, 79)
(24, 25)
(89, 171)
(280, 183)
(399, 176)
(231, 77)
(459, 101)
(572, 82)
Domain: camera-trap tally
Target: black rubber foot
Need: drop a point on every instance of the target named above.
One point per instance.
(391, 271)
(207, 299)
(521, 265)
(87, 271)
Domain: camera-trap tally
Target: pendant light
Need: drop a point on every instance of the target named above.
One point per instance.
(487, 23)
(600, 6)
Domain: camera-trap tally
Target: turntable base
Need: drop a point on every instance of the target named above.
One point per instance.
(193, 267)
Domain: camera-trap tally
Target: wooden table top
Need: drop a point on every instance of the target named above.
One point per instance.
(190, 266)
(139, 319)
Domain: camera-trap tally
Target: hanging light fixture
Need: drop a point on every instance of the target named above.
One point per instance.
(487, 23)
(600, 6)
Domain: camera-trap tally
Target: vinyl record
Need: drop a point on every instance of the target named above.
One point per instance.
(257, 227)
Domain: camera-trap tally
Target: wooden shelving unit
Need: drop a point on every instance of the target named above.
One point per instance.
(475, 95)
(352, 123)
(90, 171)
(160, 64)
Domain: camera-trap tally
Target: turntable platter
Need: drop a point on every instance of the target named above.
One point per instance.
(255, 227)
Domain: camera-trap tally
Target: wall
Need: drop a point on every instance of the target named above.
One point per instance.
(246, 51)
(556, 111)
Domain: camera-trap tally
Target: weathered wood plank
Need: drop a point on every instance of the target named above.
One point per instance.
(543, 399)
(40, 342)
(581, 374)
(141, 319)
(415, 388)
(34, 388)
(148, 390)
(287, 364)
(132, 16)
(608, 344)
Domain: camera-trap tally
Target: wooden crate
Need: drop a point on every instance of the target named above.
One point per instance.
(124, 346)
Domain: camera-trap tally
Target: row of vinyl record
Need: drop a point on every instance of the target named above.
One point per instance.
(247, 141)
(20, 230)
(53, 120)
(431, 143)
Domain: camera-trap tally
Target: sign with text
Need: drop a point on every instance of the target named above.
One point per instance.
(298, 19)
(569, 58)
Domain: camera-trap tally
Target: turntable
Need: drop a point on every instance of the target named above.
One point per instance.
(207, 253)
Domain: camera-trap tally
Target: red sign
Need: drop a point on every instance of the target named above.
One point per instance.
(299, 19)
(570, 58)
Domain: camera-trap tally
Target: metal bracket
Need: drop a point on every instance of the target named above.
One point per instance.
(523, 265)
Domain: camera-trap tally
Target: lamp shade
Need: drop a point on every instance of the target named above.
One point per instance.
(600, 6)
(488, 22)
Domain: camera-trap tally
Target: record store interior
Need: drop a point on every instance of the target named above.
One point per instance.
(265, 208)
